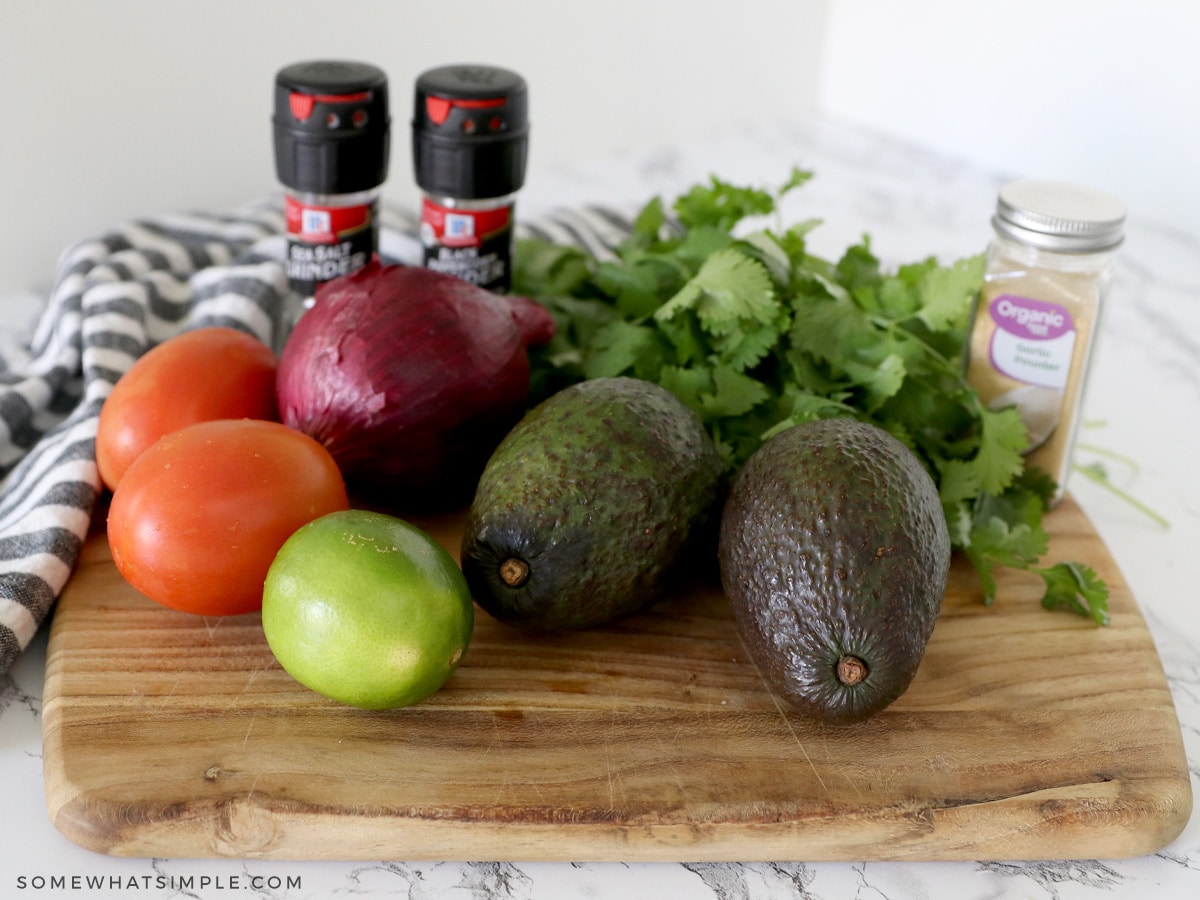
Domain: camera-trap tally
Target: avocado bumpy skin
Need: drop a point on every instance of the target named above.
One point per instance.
(834, 554)
(591, 505)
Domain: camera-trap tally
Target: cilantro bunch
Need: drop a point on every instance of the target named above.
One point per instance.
(756, 334)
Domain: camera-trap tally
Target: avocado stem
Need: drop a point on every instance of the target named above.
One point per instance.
(851, 670)
(514, 572)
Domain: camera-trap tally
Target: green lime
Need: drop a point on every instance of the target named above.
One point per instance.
(367, 609)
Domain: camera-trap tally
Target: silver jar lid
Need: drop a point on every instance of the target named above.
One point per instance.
(1065, 218)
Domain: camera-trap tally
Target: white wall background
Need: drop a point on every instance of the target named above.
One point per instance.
(1104, 92)
(127, 107)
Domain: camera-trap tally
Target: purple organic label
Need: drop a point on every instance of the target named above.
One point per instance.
(1024, 317)
(1033, 342)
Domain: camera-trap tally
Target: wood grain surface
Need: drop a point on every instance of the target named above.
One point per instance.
(1025, 735)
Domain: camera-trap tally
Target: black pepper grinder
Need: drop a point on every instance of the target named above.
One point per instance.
(331, 127)
(470, 135)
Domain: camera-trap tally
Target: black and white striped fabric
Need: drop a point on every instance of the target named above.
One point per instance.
(113, 298)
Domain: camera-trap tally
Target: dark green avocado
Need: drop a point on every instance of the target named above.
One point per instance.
(834, 553)
(591, 505)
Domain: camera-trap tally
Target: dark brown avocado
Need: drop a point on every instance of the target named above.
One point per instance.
(592, 506)
(834, 553)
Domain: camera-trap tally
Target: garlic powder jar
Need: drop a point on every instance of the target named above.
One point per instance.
(1048, 271)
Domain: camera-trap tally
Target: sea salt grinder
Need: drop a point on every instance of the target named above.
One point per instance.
(331, 128)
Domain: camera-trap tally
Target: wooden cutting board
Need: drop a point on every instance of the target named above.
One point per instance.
(1025, 735)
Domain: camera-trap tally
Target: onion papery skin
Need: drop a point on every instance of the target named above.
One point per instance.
(410, 378)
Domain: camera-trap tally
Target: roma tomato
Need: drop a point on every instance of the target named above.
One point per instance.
(199, 517)
(207, 373)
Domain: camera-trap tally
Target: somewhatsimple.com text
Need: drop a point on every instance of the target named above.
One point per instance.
(159, 882)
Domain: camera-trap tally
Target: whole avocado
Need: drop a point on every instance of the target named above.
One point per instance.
(589, 507)
(834, 553)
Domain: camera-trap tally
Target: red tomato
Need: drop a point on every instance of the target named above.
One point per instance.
(208, 373)
(199, 517)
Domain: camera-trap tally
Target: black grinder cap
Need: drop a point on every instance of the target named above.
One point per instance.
(331, 126)
(470, 131)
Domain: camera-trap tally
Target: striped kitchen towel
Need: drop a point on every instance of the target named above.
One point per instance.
(113, 298)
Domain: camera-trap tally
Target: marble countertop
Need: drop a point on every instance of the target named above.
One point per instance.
(1143, 403)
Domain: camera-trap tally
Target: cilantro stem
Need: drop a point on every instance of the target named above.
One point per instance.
(1098, 476)
(1119, 457)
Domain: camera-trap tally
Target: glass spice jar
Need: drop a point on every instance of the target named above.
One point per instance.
(1048, 271)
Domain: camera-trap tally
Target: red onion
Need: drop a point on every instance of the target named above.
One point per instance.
(410, 378)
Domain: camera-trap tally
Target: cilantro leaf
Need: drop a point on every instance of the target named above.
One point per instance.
(721, 205)
(729, 286)
(992, 542)
(1077, 588)
(649, 223)
(879, 381)
(945, 294)
(623, 348)
(859, 269)
(688, 384)
(733, 301)
(829, 328)
(958, 522)
(1019, 546)
(797, 178)
(541, 269)
(958, 482)
(638, 286)
(732, 394)
(1003, 439)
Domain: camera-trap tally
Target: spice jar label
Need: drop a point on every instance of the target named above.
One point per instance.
(326, 242)
(472, 244)
(1034, 340)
